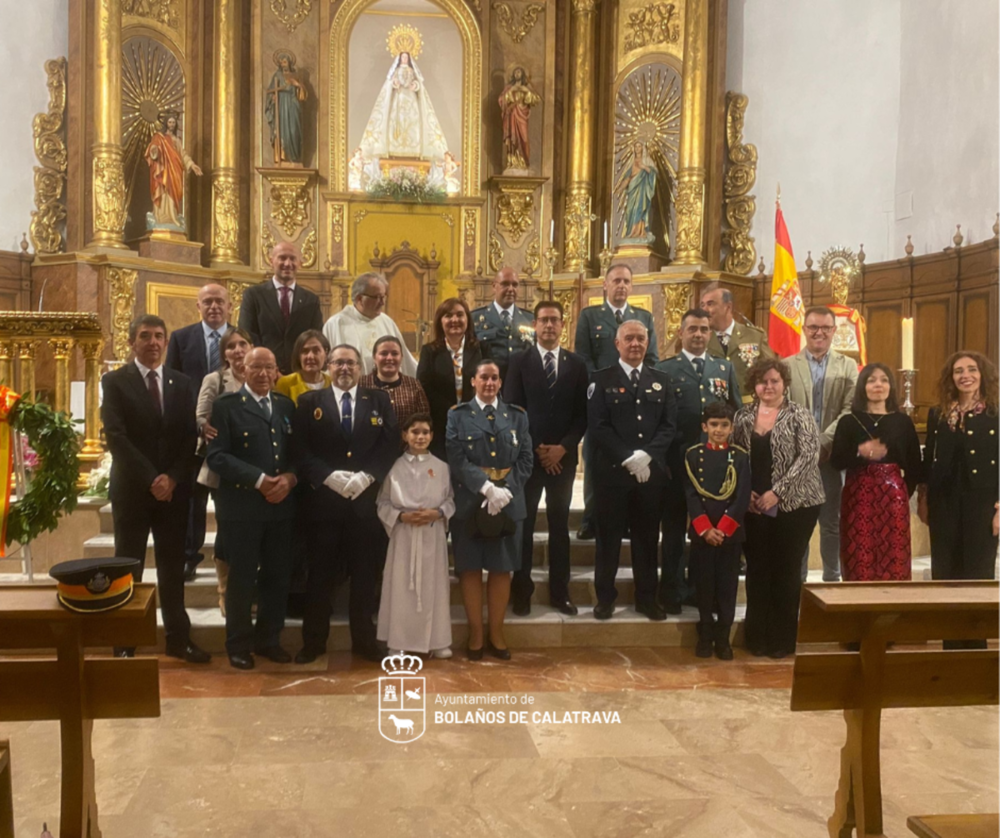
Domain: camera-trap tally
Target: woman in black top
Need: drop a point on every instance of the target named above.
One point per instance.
(958, 493)
(447, 365)
(878, 447)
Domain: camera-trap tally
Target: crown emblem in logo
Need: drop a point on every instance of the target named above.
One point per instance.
(99, 583)
(402, 664)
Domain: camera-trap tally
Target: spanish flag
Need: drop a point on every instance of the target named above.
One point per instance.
(785, 326)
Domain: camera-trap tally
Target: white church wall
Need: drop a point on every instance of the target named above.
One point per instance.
(823, 82)
(33, 33)
(947, 161)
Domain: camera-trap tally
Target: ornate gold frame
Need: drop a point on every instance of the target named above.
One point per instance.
(155, 290)
(472, 71)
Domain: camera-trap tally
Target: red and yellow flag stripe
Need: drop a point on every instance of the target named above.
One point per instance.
(8, 398)
(785, 326)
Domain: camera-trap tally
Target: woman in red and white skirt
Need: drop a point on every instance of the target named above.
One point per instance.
(877, 445)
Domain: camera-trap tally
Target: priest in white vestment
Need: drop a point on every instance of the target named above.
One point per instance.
(363, 323)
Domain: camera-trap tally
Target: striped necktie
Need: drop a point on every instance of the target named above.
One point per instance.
(213, 351)
(345, 413)
(550, 369)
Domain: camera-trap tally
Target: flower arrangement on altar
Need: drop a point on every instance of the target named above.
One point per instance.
(404, 183)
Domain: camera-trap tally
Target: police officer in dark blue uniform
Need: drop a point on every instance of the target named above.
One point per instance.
(632, 415)
(502, 328)
(697, 379)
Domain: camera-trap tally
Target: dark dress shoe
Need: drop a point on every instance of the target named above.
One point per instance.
(306, 655)
(778, 654)
(603, 612)
(522, 607)
(502, 654)
(370, 653)
(475, 654)
(275, 654)
(585, 533)
(565, 607)
(190, 570)
(189, 653)
(124, 651)
(704, 647)
(723, 651)
(653, 612)
(757, 653)
(672, 607)
(241, 661)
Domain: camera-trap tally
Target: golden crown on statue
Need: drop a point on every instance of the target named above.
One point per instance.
(402, 664)
(404, 38)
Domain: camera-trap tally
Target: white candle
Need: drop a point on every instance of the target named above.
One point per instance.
(552, 232)
(605, 233)
(908, 343)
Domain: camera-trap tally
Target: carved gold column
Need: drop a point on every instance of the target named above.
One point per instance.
(26, 368)
(225, 181)
(6, 366)
(108, 172)
(92, 399)
(61, 350)
(579, 194)
(690, 208)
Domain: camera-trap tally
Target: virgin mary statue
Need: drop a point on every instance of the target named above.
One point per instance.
(403, 122)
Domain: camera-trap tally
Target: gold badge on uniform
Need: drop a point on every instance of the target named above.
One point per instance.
(376, 420)
(318, 413)
(657, 385)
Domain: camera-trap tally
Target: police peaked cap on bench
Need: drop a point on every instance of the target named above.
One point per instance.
(94, 585)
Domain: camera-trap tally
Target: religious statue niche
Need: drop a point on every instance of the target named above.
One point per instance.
(403, 151)
(168, 163)
(516, 102)
(283, 102)
(838, 267)
(156, 164)
(647, 135)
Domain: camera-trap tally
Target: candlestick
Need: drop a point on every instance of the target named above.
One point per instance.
(604, 241)
(551, 257)
(907, 343)
(908, 406)
(552, 232)
(606, 256)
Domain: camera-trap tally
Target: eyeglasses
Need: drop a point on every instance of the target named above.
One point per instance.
(341, 363)
(816, 330)
(376, 296)
(262, 367)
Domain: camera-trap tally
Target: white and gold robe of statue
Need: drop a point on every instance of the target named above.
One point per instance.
(350, 326)
(415, 612)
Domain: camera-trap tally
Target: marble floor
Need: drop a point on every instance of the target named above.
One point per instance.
(703, 749)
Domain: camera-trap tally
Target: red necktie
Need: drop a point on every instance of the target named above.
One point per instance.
(286, 302)
(154, 391)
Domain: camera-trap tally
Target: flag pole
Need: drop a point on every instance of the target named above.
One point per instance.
(777, 199)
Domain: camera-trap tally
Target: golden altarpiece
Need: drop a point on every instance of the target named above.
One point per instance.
(433, 140)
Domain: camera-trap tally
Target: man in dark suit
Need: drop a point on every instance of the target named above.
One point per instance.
(502, 327)
(148, 416)
(255, 508)
(278, 310)
(194, 351)
(551, 384)
(595, 341)
(346, 440)
(696, 380)
(632, 415)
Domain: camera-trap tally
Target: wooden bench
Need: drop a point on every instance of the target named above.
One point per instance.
(73, 688)
(862, 683)
(6, 793)
(954, 826)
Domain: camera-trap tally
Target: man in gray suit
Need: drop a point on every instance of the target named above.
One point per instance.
(823, 381)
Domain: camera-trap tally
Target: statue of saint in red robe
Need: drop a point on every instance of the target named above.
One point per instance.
(516, 102)
(168, 164)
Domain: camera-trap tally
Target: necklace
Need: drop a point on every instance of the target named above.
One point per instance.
(872, 416)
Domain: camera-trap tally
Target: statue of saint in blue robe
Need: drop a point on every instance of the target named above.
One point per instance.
(283, 109)
(639, 193)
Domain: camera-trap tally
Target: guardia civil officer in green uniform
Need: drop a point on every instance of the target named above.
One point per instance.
(696, 381)
(595, 341)
(739, 343)
(255, 508)
(502, 328)
(490, 457)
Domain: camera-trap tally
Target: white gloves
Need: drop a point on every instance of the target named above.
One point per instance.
(638, 462)
(496, 497)
(349, 484)
(642, 475)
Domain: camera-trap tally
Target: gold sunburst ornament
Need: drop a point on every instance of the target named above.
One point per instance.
(839, 266)
(404, 38)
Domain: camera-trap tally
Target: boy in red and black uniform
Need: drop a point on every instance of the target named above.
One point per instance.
(718, 494)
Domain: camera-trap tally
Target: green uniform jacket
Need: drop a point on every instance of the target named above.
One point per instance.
(746, 345)
(717, 384)
(499, 343)
(596, 330)
(249, 444)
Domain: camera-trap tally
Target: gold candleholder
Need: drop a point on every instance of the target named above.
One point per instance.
(908, 406)
(551, 257)
(606, 256)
